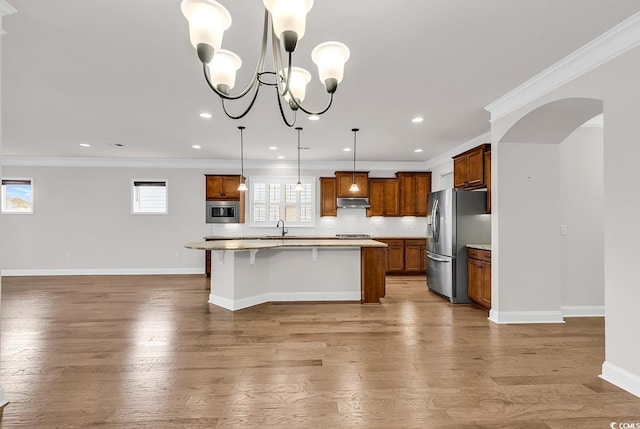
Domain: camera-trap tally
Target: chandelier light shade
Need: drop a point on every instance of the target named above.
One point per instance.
(330, 58)
(243, 184)
(208, 21)
(284, 25)
(354, 186)
(297, 84)
(299, 186)
(223, 68)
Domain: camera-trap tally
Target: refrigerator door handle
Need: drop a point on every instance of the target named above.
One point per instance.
(435, 221)
(435, 258)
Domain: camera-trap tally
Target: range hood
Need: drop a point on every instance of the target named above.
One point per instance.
(353, 203)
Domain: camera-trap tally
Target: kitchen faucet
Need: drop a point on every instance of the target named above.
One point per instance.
(278, 226)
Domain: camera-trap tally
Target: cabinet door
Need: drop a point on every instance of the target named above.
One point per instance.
(214, 187)
(487, 178)
(460, 171)
(475, 167)
(423, 252)
(376, 197)
(413, 256)
(407, 194)
(345, 179)
(395, 255)
(485, 298)
(423, 187)
(230, 186)
(474, 280)
(328, 197)
(390, 203)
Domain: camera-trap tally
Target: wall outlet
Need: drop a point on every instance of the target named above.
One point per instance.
(563, 229)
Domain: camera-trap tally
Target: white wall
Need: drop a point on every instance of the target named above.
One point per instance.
(582, 211)
(82, 221)
(529, 219)
(615, 83)
(442, 176)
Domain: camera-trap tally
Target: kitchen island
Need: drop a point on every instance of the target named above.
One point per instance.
(255, 271)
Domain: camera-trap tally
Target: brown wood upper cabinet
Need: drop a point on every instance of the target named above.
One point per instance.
(468, 168)
(414, 187)
(328, 197)
(345, 179)
(383, 197)
(223, 187)
(487, 177)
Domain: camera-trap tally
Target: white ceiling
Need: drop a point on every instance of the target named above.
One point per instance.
(109, 72)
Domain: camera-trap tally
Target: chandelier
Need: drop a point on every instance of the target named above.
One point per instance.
(208, 20)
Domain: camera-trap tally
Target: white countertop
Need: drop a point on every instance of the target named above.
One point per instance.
(280, 243)
(480, 246)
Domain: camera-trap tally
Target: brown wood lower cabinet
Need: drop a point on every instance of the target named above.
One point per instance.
(405, 256)
(479, 277)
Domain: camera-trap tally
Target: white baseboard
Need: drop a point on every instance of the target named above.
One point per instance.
(239, 304)
(102, 271)
(582, 310)
(621, 378)
(513, 317)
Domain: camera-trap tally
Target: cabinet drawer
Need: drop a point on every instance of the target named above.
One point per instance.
(482, 255)
(415, 242)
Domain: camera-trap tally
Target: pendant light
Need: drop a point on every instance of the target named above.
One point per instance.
(243, 185)
(354, 186)
(299, 186)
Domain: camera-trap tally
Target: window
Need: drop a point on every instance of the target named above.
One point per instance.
(275, 198)
(149, 196)
(17, 196)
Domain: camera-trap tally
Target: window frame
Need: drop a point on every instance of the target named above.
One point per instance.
(3, 207)
(134, 192)
(283, 180)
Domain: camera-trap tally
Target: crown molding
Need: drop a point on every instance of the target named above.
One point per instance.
(604, 48)
(447, 156)
(5, 9)
(206, 164)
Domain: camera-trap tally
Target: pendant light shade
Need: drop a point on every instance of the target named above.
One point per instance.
(289, 15)
(298, 83)
(223, 68)
(299, 185)
(243, 184)
(330, 58)
(354, 186)
(208, 21)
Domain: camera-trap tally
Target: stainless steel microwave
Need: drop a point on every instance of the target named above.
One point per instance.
(223, 212)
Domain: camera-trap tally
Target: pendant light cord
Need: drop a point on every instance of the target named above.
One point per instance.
(241, 128)
(298, 129)
(355, 132)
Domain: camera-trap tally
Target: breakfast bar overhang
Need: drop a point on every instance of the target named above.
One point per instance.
(251, 272)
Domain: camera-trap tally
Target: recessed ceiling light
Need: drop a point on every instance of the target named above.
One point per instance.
(196, 146)
(417, 150)
(205, 115)
(273, 148)
(346, 149)
(314, 117)
(280, 157)
(85, 145)
(417, 119)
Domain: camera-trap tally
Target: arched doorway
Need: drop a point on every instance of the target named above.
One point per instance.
(527, 272)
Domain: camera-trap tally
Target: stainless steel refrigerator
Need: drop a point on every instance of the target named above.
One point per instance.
(455, 218)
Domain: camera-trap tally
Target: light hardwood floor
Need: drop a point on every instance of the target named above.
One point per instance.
(149, 352)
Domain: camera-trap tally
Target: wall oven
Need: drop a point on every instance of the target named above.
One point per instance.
(223, 212)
